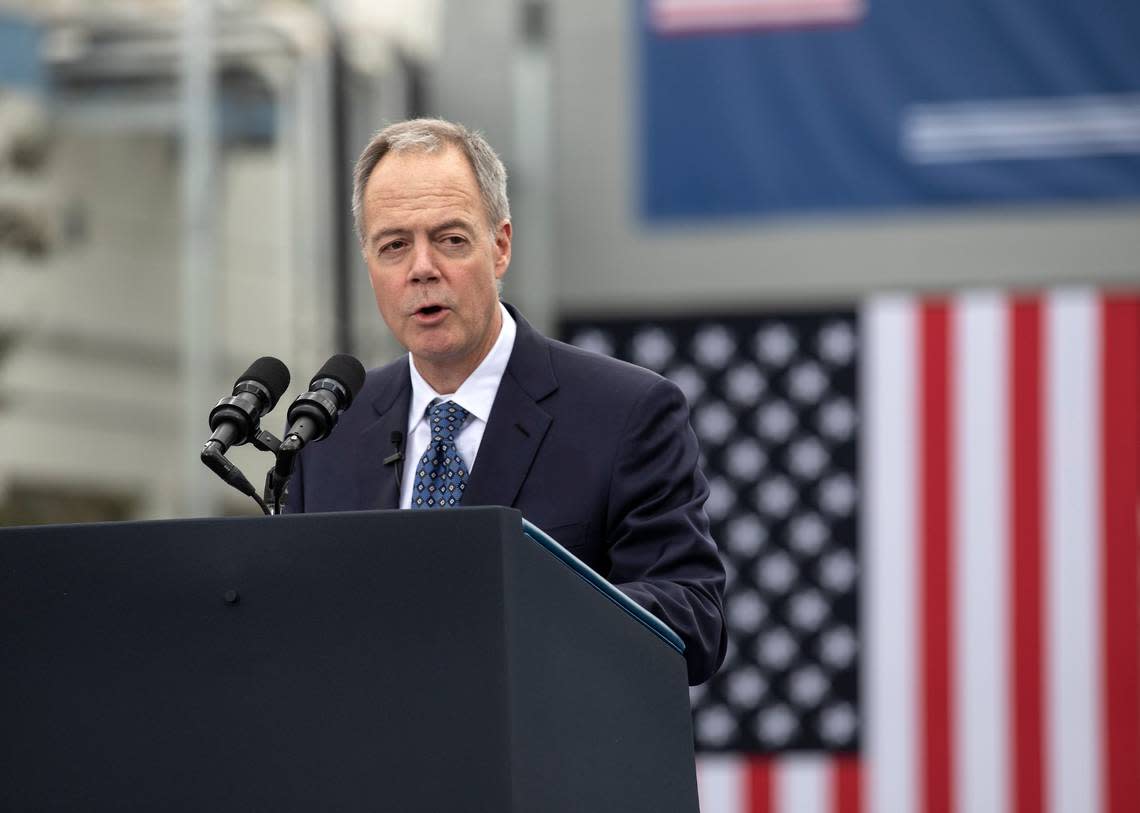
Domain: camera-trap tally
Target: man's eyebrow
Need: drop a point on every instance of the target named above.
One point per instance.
(395, 231)
(384, 234)
(454, 223)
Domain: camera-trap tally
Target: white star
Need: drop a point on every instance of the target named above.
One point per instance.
(837, 723)
(744, 459)
(595, 341)
(808, 685)
(837, 571)
(690, 382)
(807, 533)
(745, 687)
(775, 421)
(807, 609)
(775, 344)
(652, 348)
(715, 725)
(807, 382)
(744, 384)
(713, 422)
(837, 495)
(746, 611)
(776, 496)
(837, 343)
(745, 535)
(713, 346)
(776, 725)
(837, 419)
(807, 458)
(776, 649)
(776, 572)
(837, 647)
(722, 498)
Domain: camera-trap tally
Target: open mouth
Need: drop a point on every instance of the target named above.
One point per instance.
(430, 314)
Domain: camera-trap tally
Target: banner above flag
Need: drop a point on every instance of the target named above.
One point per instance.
(753, 107)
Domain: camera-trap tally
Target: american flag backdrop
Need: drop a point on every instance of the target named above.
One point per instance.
(928, 509)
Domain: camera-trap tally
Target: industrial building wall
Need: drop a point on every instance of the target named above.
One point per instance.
(90, 377)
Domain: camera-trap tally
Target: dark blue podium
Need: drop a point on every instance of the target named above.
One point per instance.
(396, 661)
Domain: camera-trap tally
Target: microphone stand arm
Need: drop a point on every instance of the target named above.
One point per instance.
(277, 478)
(216, 461)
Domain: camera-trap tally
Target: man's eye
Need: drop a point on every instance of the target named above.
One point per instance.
(395, 245)
(454, 240)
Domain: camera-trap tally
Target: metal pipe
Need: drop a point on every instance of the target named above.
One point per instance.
(199, 252)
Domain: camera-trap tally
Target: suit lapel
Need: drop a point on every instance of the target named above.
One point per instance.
(509, 444)
(517, 425)
(377, 482)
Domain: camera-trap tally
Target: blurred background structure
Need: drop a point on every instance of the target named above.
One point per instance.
(890, 250)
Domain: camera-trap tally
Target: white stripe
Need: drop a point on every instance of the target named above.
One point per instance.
(1072, 502)
(889, 680)
(720, 784)
(802, 784)
(980, 544)
(1068, 126)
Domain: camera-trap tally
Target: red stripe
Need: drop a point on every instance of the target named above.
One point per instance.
(1026, 572)
(845, 780)
(1121, 471)
(748, 11)
(759, 17)
(758, 785)
(936, 566)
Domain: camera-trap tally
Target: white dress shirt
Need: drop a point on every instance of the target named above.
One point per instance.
(476, 394)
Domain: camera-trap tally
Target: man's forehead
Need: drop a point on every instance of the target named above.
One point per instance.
(439, 184)
(445, 167)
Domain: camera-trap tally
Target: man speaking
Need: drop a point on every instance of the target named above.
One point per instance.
(487, 411)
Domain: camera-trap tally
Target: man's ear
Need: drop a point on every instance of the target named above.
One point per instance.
(503, 236)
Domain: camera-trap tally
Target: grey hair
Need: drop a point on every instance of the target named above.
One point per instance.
(433, 135)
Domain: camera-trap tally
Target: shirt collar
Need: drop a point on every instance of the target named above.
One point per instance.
(477, 393)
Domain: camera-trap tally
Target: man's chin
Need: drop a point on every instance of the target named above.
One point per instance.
(433, 352)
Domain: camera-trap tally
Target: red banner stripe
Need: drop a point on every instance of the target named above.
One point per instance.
(758, 785)
(1120, 452)
(936, 565)
(846, 780)
(1027, 574)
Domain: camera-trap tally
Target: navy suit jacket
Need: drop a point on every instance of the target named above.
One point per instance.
(596, 452)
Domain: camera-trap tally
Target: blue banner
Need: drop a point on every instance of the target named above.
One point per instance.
(754, 107)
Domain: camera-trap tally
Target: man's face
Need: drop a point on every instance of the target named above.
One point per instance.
(433, 261)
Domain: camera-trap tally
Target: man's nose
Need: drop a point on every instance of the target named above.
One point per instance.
(423, 265)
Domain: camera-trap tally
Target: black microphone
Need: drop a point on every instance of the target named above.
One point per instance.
(397, 441)
(314, 414)
(236, 419)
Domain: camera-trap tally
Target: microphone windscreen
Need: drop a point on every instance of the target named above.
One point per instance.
(272, 374)
(345, 369)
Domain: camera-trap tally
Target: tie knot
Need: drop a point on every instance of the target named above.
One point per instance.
(447, 418)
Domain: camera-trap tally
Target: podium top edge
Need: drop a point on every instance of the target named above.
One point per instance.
(610, 591)
(157, 522)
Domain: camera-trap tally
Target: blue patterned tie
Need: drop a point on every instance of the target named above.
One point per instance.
(441, 474)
